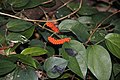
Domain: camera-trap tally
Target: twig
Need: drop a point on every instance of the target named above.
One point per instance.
(43, 27)
(65, 3)
(47, 29)
(99, 41)
(73, 77)
(44, 13)
(12, 16)
(72, 12)
(31, 20)
(94, 30)
(47, 2)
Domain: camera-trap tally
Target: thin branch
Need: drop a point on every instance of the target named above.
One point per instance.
(31, 20)
(12, 16)
(65, 4)
(94, 30)
(47, 2)
(72, 12)
(47, 29)
(44, 13)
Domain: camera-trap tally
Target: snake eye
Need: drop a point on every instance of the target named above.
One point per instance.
(71, 52)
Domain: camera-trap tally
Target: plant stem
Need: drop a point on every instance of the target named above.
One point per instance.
(99, 41)
(31, 20)
(94, 30)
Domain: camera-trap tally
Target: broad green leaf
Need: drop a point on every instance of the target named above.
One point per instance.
(44, 34)
(2, 20)
(116, 23)
(62, 12)
(36, 43)
(84, 10)
(49, 66)
(16, 38)
(99, 62)
(25, 74)
(67, 24)
(117, 77)
(8, 58)
(73, 5)
(80, 31)
(2, 36)
(77, 63)
(34, 3)
(98, 36)
(18, 3)
(113, 43)
(26, 59)
(116, 69)
(29, 32)
(6, 67)
(50, 50)
(87, 10)
(18, 25)
(34, 51)
(75, 27)
(100, 16)
(85, 20)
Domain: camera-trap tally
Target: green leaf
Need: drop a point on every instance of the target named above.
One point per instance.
(45, 34)
(99, 35)
(17, 3)
(2, 20)
(25, 74)
(113, 43)
(18, 25)
(16, 38)
(36, 43)
(117, 77)
(34, 51)
(6, 67)
(87, 10)
(84, 10)
(98, 17)
(2, 37)
(34, 3)
(49, 66)
(62, 12)
(85, 20)
(75, 27)
(80, 31)
(116, 69)
(116, 23)
(50, 50)
(77, 63)
(99, 62)
(26, 59)
(29, 32)
(67, 24)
